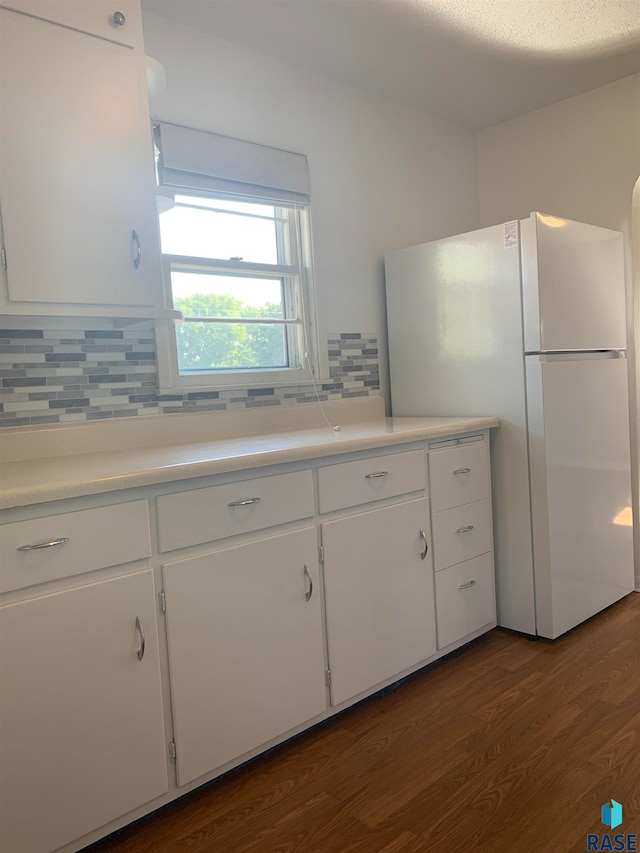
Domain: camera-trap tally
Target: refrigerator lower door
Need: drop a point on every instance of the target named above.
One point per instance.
(578, 428)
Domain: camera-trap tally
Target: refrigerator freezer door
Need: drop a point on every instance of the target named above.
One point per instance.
(573, 286)
(455, 346)
(580, 487)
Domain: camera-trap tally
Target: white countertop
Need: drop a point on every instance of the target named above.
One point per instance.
(47, 479)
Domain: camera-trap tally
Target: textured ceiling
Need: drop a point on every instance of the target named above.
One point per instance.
(571, 27)
(473, 62)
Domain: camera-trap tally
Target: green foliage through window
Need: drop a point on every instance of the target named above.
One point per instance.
(216, 346)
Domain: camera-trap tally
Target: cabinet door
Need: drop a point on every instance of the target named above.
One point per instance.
(245, 648)
(96, 17)
(77, 185)
(81, 727)
(379, 596)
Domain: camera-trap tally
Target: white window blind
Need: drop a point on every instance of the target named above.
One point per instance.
(207, 162)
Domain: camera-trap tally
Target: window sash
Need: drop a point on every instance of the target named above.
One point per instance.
(172, 381)
(287, 341)
(260, 321)
(293, 309)
(189, 263)
(284, 222)
(292, 297)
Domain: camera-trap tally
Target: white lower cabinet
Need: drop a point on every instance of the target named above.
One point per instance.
(81, 728)
(461, 533)
(379, 595)
(254, 614)
(245, 645)
(460, 481)
(465, 599)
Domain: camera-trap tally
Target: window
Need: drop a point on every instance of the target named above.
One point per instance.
(236, 263)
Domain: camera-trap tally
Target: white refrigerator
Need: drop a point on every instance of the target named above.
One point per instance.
(526, 321)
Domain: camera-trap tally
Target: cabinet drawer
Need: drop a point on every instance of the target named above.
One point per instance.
(459, 475)
(465, 599)
(204, 515)
(461, 533)
(352, 483)
(95, 538)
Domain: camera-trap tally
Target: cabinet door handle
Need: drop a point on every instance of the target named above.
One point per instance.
(376, 474)
(51, 544)
(467, 584)
(465, 529)
(244, 502)
(423, 554)
(142, 640)
(309, 577)
(462, 471)
(118, 19)
(137, 248)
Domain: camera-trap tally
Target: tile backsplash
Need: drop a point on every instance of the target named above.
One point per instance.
(57, 375)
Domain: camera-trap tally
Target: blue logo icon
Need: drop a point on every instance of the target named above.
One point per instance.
(612, 814)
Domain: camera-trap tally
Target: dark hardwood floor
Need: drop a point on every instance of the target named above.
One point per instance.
(512, 745)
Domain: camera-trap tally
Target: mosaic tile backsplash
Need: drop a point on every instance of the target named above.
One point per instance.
(56, 376)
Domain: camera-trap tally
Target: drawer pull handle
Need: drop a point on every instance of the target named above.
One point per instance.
(309, 577)
(142, 640)
(467, 584)
(51, 544)
(244, 502)
(462, 471)
(376, 474)
(137, 248)
(465, 529)
(423, 554)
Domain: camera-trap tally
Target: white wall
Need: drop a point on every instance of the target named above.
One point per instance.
(579, 158)
(382, 176)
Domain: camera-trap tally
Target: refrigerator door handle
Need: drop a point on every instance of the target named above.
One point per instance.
(575, 355)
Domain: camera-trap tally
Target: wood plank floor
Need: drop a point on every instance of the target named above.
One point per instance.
(512, 745)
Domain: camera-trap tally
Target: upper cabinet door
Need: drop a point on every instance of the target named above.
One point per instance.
(114, 20)
(573, 286)
(77, 188)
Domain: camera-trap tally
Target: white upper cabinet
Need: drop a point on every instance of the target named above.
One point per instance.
(77, 188)
(115, 20)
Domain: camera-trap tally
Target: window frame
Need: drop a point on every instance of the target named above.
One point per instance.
(301, 334)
